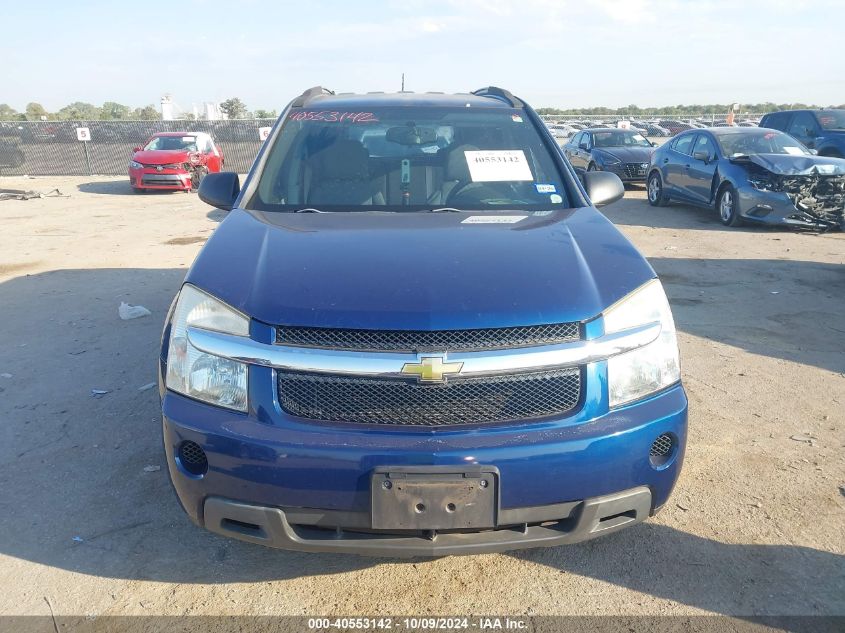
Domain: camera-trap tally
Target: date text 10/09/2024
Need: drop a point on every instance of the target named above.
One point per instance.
(421, 623)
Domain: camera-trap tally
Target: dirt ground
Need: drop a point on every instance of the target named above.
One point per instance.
(755, 525)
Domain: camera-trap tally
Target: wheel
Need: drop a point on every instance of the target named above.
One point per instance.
(656, 195)
(726, 205)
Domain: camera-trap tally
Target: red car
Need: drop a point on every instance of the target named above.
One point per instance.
(174, 160)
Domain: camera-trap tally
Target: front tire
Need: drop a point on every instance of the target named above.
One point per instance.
(726, 205)
(656, 194)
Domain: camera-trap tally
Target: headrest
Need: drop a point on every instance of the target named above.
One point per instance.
(456, 163)
(343, 160)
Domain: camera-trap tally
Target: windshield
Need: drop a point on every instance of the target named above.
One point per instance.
(409, 159)
(188, 143)
(761, 141)
(831, 119)
(619, 138)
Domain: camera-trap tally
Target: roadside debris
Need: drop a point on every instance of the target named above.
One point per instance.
(147, 387)
(96, 393)
(78, 539)
(23, 194)
(803, 438)
(152, 469)
(5, 375)
(127, 312)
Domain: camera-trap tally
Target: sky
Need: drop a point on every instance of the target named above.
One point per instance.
(553, 53)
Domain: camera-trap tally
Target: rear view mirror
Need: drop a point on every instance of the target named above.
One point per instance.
(220, 189)
(603, 187)
(411, 135)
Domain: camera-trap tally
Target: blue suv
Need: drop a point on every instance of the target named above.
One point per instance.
(820, 130)
(414, 335)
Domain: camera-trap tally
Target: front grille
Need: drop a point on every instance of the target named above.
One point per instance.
(476, 400)
(635, 170)
(428, 340)
(662, 446)
(161, 179)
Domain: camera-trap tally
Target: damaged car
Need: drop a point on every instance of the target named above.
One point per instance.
(177, 161)
(750, 175)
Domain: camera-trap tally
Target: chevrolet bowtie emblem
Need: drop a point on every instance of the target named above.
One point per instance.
(431, 369)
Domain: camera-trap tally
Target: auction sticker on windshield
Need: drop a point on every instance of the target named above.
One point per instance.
(498, 165)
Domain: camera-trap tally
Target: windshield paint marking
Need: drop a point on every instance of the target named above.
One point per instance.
(331, 116)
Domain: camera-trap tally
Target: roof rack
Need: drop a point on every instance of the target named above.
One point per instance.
(308, 95)
(499, 93)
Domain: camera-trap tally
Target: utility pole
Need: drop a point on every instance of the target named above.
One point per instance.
(403, 82)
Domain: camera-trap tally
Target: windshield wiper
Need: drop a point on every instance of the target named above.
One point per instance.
(309, 210)
(443, 210)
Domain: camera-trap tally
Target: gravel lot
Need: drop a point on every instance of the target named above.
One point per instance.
(755, 525)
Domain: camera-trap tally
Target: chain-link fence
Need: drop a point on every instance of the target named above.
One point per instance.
(51, 148)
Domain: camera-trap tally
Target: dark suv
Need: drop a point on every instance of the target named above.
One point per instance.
(821, 130)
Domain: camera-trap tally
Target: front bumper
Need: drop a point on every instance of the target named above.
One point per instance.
(170, 179)
(775, 208)
(320, 531)
(282, 481)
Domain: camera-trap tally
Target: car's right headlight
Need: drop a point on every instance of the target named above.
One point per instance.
(135, 165)
(219, 381)
(643, 371)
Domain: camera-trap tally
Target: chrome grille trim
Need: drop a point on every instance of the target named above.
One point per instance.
(389, 364)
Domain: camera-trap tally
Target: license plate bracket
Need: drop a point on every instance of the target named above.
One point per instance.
(434, 497)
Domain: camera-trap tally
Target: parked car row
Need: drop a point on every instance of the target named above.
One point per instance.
(650, 127)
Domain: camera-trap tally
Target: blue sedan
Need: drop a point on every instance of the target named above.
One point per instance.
(750, 175)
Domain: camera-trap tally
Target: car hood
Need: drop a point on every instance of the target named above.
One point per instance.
(160, 156)
(788, 165)
(418, 270)
(628, 154)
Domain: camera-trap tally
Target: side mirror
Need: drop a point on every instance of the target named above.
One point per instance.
(583, 146)
(603, 187)
(136, 149)
(220, 189)
(652, 143)
(702, 156)
(814, 152)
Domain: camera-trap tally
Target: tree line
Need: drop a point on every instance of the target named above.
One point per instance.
(233, 108)
(715, 108)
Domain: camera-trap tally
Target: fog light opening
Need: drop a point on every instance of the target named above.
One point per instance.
(192, 458)
(663, 450)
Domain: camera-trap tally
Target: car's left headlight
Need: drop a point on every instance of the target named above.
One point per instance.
(643, 371)
(203, 376)
(135, 165)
